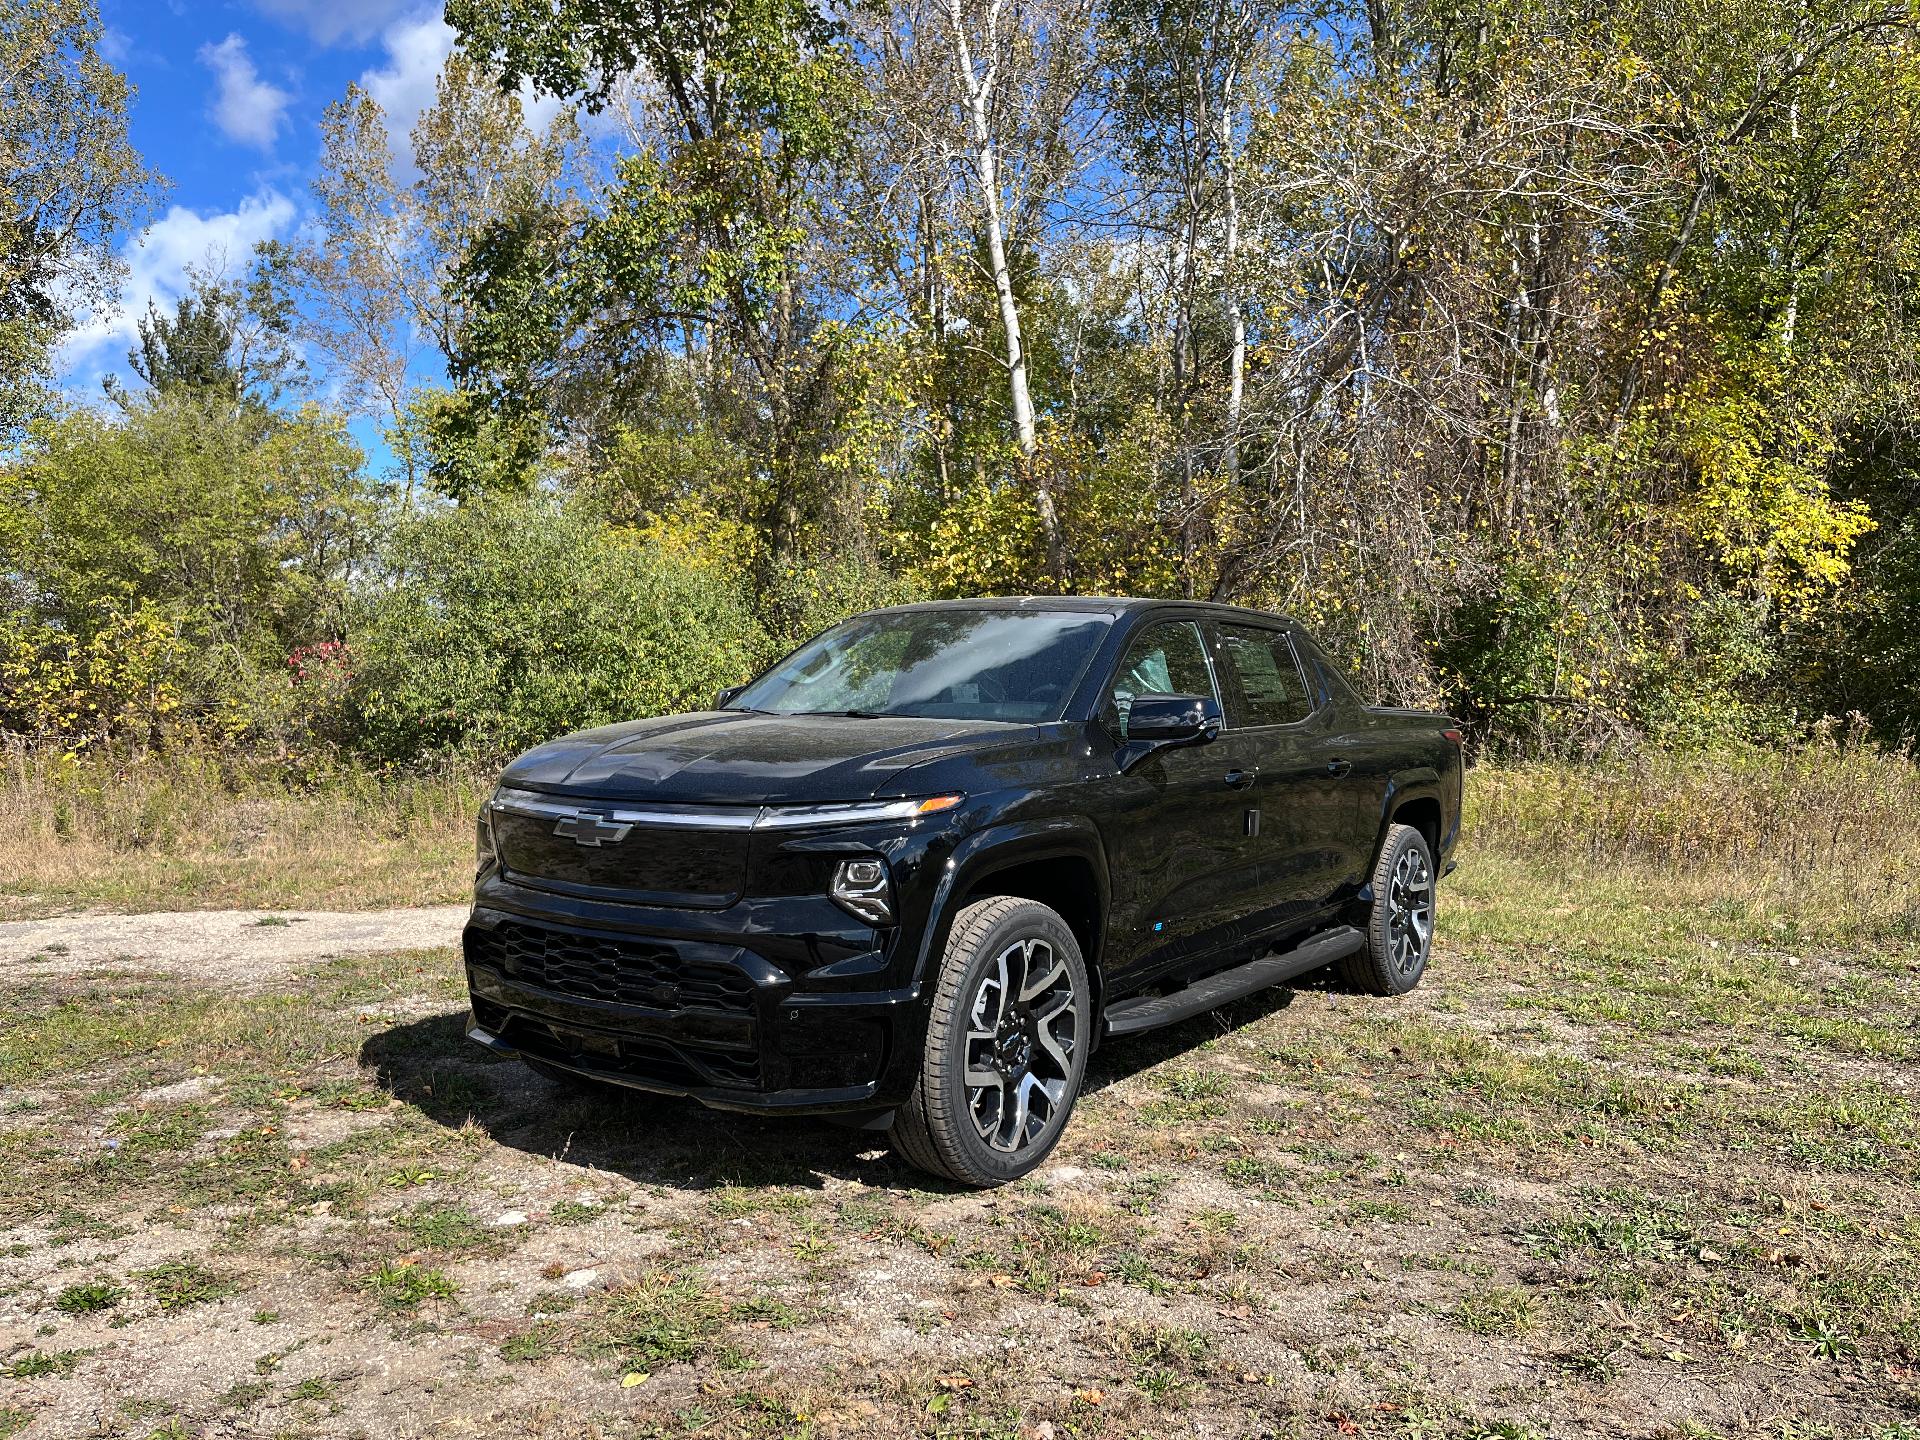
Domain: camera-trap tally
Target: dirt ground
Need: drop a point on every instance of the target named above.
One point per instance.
(1654, 1176)
(246, 948)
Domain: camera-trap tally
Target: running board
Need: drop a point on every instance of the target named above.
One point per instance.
(1149, 1012)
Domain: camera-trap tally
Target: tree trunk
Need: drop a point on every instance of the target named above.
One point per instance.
(1236, 312)
(977, 93)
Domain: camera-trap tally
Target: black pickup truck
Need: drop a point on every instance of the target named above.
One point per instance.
(912, 875)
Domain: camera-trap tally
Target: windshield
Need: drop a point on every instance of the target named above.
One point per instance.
(959, 664)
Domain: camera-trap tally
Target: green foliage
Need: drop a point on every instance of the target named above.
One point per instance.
(164, 563)
(88, 1297)
(507, 622)
(1556, 369)
(403, 1285)
(70, 184)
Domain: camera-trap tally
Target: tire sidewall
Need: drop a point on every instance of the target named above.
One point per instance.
(1401, 839)
(1030, 920)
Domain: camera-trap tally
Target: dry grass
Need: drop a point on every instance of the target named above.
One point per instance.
(1821, 835)
(192, 831)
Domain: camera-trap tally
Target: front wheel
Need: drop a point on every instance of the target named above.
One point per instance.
(1006, 1046)
(1400, 924)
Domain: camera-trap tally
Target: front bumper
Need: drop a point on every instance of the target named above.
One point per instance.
(708, 1017)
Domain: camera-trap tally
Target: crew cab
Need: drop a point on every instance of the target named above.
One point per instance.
(913, 874)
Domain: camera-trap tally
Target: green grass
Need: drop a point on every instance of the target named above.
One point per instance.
(400, 1285)
(43, 1364)
(660, 1319)
(181, 1284)
(89, 1297)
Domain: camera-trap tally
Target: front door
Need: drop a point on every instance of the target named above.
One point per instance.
(1179, 842)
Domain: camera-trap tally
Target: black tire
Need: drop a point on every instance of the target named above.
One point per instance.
(950, 1128)
(1396, 953)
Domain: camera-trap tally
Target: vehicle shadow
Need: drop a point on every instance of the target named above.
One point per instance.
(660, 1140)
(1122, 1056)
(649, 1139)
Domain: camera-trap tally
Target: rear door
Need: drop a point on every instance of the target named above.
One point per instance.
(1306, 787)
(1181, 857)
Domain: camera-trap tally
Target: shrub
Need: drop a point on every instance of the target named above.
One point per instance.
(509, 621)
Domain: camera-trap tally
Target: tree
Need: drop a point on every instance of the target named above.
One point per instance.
(374, 289)
(220, 344)
(70, 185)
(1178, 73)
(202, 535)
(699, 245)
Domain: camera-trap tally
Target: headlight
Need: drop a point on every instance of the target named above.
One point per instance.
(798, 817)
(862, 887)
(486, 851)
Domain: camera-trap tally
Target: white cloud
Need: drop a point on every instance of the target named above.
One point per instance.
(157, 270)
(330, 21)
(245, 107)
(417, 51)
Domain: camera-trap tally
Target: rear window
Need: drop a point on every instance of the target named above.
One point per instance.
(1272, 689)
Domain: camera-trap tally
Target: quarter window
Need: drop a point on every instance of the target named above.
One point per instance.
(1269, 676)
(1164, 659)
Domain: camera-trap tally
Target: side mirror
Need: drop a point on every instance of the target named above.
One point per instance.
(1173, 719)
(727, 696)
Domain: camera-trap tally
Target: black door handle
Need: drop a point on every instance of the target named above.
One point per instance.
(1241, 779)
(1339, 767)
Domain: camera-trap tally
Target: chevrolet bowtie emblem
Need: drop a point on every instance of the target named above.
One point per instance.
(592, 830)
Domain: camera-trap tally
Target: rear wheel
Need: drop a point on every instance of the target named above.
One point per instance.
(1400, 925)
(1006, 1046)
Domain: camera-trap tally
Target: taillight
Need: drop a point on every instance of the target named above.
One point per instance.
(1453, 735)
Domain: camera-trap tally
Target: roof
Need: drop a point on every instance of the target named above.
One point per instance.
(1089, 604)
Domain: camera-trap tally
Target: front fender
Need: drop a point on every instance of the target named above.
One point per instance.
(1000, 847)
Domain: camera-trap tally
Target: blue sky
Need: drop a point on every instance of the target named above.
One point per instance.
(228, 109)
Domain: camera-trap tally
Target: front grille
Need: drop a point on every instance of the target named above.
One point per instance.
(678, 1063)
(623, 972)
(655, 864)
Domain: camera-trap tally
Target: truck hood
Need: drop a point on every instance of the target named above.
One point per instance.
(736, 757)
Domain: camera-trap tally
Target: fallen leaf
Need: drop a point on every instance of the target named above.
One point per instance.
(633, 1378)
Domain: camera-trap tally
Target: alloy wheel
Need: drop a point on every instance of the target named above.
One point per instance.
(1021, 1030)
(1410, 910)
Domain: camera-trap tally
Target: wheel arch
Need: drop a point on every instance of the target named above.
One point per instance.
(1058, 862)
(1413, 797)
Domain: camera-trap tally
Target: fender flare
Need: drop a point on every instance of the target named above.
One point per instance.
(1420, 782)
(1001, 847)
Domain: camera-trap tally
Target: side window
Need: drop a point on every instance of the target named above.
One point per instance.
(1164, 659)
(1263, 663)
